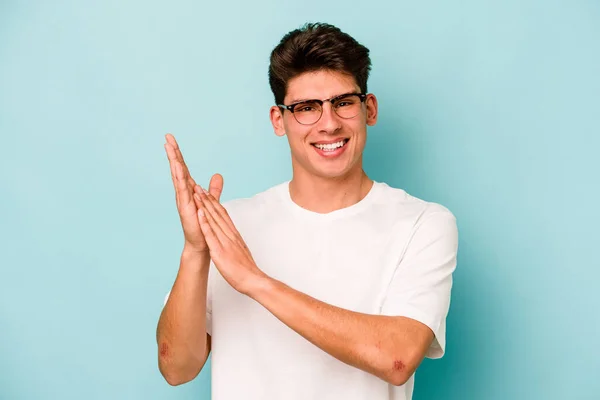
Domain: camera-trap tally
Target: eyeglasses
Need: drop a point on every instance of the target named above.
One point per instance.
(309, 112)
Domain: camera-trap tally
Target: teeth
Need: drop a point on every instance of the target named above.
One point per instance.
(330, 147)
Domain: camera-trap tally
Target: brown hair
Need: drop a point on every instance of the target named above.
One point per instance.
(313, 47)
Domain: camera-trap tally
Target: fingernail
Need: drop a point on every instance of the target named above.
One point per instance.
(201, 213)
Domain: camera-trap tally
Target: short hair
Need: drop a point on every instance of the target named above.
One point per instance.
(316, 47)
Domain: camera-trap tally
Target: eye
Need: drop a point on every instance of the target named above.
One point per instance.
(306, 107)
(345, 101)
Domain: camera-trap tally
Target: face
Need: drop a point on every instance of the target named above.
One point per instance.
(311, 145)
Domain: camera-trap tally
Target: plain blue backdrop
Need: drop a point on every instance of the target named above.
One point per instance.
(488, 107)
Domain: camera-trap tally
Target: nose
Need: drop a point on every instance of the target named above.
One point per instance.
(329, 121)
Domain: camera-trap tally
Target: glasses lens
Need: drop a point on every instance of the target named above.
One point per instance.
(308, 112)
(347, 106)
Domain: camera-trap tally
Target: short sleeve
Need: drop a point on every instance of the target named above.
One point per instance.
(208, 303)
(421, 285)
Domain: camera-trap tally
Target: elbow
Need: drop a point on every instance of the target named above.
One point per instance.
(397, 379)
(177, 376)
(175, 380)
(398, 370)
(399, 374)
(179, 379)
(175, 370)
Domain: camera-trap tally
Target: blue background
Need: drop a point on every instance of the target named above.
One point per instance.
(487, 107)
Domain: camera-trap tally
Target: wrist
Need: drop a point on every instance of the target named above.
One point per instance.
(195, 258)
(191, 251)
(260, 287)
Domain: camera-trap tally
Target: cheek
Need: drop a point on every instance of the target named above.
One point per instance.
(297, 136)
(359, 131)
(359, 144)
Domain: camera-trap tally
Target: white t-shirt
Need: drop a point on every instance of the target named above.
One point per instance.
(389, 254)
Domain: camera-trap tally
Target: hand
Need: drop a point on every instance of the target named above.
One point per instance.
(187, 206)
(229, 252)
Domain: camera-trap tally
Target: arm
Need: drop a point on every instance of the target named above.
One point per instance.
(183, 343)
(391, 345)
(385, 346)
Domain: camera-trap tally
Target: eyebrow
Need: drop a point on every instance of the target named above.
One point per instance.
(332, 97)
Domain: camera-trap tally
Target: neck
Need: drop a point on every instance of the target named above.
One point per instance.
(323, 195)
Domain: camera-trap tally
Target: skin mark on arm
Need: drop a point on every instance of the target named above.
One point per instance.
(399, 366)
(164, 350)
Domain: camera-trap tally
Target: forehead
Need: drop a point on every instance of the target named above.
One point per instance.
(319, 85)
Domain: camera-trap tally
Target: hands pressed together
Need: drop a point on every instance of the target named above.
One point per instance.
(207, 226)
(228, 250)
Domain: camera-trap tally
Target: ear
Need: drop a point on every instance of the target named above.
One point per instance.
(276, 116)
(372, 109)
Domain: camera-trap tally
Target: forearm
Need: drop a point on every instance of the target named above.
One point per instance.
(181, 331)
(384, 346)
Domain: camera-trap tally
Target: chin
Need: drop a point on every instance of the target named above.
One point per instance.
(332, 173)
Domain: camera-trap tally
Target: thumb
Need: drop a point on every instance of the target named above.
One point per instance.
(215, 187)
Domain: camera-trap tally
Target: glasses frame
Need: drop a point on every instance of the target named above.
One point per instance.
(290, 108)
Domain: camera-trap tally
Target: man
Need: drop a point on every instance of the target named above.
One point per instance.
(328, 286)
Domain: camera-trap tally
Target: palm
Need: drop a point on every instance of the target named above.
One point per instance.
(184, 191)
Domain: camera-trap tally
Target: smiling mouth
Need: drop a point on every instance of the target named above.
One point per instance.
(331, 146)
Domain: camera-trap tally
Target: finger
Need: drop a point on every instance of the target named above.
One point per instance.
(182, 186)
(171, 157)
(186, 171)
(174, 178)
(179, 156)
(218, 208)
(220, 227)
(213, 238)
(215, 187)
(197, 192)
(221, 212)
(197, 199)
(171, 139)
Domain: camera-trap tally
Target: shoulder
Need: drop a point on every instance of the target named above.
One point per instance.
(401, 205)
(423, 228)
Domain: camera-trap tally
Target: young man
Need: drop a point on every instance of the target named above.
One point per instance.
(328, 286)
